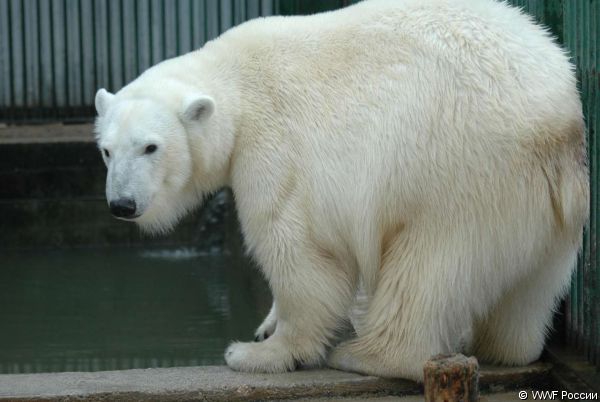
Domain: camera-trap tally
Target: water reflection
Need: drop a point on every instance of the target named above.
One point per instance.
(88, 310)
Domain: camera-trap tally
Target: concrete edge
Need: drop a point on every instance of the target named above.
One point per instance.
(47, 133)
(219, 383)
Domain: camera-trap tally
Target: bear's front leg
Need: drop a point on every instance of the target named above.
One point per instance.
(267, 328)
(313, 295)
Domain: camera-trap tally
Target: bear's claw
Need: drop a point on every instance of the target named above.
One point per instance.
(262, 336)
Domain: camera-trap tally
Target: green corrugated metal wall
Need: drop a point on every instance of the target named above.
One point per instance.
(581, 29)
(54, 54)
(576, 24)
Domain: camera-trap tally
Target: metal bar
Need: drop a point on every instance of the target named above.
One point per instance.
(46, 67)
(252, 9)
(593, 127)
(59, 53)
(573, 299)
(267, 7)
(115, 40)
(226, 15)
(198, 23)
(5, 56)
(239, 11)
(588, 285)
(17, 56)
(157, 31)
(130, 69)
(101, 40)
(73, 53)
(212, 19)
(32, 60)
(88, 70)
(144, 50)
(170, 22)
(184, 26)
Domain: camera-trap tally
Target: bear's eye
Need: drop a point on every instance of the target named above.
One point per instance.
(150, 149)
(106, 153)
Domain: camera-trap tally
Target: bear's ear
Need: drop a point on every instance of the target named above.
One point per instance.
(198, 108)
(103, 99)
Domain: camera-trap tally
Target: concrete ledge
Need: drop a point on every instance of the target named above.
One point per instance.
(221, 384)
(46, 133)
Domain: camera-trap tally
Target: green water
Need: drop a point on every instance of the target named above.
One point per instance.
(88, 310)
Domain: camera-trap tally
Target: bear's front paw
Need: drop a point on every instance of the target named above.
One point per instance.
(264, 357)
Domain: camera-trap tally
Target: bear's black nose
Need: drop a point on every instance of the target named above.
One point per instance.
(123, 208)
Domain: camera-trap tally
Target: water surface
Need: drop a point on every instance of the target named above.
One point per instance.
(107, 309)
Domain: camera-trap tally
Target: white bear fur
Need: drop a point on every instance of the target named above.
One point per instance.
(431, 152)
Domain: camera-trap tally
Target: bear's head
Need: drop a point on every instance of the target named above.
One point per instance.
(146, 147)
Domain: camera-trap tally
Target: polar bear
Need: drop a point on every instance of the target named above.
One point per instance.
(428, 152)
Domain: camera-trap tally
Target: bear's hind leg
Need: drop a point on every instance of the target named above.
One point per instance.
(415, 312)
(513, 333)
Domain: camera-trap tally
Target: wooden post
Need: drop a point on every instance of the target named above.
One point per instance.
(451, 378)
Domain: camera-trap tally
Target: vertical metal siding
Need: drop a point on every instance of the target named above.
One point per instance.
(532, 7)
(54, 54)
(576, 23)
(581, 32)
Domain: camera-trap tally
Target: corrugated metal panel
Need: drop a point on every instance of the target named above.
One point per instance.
(5, 67)
(533, 7)
(54, 54)
(577, 25)
(581, 32)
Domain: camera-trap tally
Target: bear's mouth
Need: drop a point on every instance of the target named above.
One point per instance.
(129, 218)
